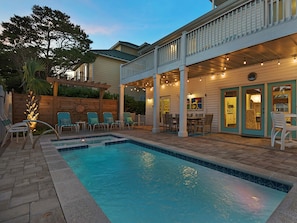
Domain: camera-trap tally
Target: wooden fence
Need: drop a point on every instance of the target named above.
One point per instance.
(50, 105)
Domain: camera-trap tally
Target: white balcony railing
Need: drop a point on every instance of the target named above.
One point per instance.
(250, 17)
(169, 52)
(139, 65)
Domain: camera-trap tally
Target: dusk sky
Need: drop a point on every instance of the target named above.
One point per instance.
(109, 21)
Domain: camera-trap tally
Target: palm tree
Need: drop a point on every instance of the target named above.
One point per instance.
(34, 85)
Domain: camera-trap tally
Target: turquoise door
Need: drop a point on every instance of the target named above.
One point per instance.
(253, 110)
(229, 114)
(282, 98)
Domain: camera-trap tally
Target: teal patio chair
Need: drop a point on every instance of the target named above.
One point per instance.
(109, 121)
(128, 120)
(64, 121)
(93, 121)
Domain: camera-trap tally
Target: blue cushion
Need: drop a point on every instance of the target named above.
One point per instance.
(129, 120)
(93, 121)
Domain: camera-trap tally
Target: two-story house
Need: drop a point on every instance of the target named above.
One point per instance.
(106, 68)
(238, 62)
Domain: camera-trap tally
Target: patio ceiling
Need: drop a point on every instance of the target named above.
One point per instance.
(269, 51)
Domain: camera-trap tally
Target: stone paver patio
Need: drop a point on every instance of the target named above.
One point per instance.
(33, 182)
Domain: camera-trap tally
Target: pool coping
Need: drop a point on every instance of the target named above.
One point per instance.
(79, 206)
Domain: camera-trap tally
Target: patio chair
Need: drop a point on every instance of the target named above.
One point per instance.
(204, 124)
(64, 121)
(280, 125)
(19, 127)
(109, 121)
(128, 120)
(93, 121)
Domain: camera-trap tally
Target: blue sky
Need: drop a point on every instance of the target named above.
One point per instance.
(109, 21)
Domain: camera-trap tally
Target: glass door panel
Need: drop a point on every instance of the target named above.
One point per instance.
(253, 110)
(164, 107)
(229, 118)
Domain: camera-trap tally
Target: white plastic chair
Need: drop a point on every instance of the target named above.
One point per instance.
(20, 127)
(280, 125)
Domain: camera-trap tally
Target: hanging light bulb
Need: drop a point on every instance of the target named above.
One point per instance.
(262, 63)
(278, 62)
(244, 61)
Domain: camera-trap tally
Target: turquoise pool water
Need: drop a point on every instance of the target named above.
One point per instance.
(132, 183)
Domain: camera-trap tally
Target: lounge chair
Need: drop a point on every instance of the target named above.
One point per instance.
(20, 127)
(93, 121)
(64, 121)
(109, 121)
(128, 120)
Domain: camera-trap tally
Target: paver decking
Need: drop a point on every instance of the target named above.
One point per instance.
(28, 194)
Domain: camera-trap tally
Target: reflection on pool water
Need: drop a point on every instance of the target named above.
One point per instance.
(132, 183)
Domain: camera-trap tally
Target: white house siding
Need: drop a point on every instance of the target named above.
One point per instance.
(210, 86)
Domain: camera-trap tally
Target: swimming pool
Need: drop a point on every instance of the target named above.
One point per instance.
(132, 183)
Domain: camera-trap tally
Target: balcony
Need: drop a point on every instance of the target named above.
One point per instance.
(255, 29)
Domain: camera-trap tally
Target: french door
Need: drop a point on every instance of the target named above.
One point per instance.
(229, 114)
(253, 110)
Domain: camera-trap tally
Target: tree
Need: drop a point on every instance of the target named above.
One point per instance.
(48, 35)
(34, 85)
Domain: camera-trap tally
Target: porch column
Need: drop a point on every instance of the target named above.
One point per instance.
(122, 102)
(156, 106)
(183, 101)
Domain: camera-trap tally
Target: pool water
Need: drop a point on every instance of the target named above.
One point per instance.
(132, 183)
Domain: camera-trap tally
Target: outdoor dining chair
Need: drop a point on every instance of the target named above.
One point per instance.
(280, 126)
(204, 124)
